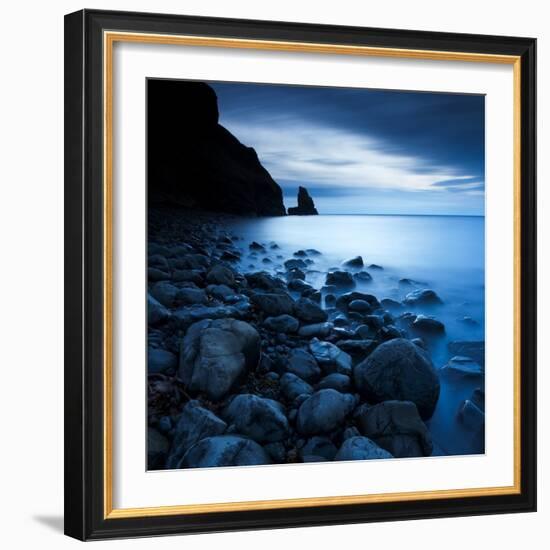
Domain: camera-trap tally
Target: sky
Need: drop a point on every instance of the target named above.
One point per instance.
(362, 151)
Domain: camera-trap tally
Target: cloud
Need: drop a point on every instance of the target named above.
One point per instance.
(316, 155)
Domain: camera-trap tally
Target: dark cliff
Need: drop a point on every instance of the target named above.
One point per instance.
(306, 206)
(194, 161)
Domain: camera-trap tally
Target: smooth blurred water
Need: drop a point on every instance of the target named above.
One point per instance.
(444, 253)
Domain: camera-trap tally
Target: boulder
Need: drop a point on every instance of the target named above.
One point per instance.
(362, 277)
(160, 361)
(356, 262)
(399, 370)
(294, 263)
(306, 206)
(324, 411)
(397, 427)
(273, 304)
(360, 448)
(215, 354)
(336, 381)
(344, 300)
(191, 296)
(422, 297)
(165, 293)
(358, 348)
(360, 306)
(225, 450)
(309, 312)
(472, 416)
(261, 280)
(256, 246)
(340, 279)
(221, 292)
(330, 357)
(282, 323)
(258, 418)
(303, 364)
(193, 424)
(461, 367)
(292, 386)
(428, 326)
(220, 275)
(194, 161)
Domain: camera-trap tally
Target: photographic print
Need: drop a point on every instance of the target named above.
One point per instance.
(316, 274)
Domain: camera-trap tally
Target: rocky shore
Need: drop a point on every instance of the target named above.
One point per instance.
(261, 367)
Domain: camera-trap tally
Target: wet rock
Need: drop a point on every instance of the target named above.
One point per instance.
(154, 274)
(303, 364)
(165, 293)
(160, 361)
(343, 301)
(336, 381)
(340, 279)
(300, 254)
(324, 411)
(397, 427)
(256, 246)
(318, 446)
(362, 277)
(313, 295)
(276, 451)
(295, 264)
(221, 292)
(220, 275)
(282, 323)
(298, 285)
(321, 330)
(273, 304)
(313, 252)
(292, 386)
(215, 354)
(376, 267)
(189, 275)
(389, 333)
(156, 312)
(399, 370)
(309, 312)
(188, 315)
(225, 450)
(461, 367)
(358, 348)
(473, 349)
(261, 419)
(262, 280)
(330, 300)
(330, 357)
(193, 424)
(356, 262)
(428, 325)
(391, 305)
(478, 398)
(360, 306)
(295, 273)
(191, 296)
(157, 449)
(350, 432)
(422, 297)
(360, 448)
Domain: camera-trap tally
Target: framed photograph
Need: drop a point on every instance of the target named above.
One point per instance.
(300, 274)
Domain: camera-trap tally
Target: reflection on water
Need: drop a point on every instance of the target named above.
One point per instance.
(445, 253)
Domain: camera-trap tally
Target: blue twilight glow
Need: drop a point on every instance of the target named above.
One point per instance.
(362, 151)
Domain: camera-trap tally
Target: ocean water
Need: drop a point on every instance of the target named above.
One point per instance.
(444, 253)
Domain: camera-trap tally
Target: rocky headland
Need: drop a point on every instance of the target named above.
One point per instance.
(261, 367)
(306, 206)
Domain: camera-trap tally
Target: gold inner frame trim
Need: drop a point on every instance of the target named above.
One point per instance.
(109, 39)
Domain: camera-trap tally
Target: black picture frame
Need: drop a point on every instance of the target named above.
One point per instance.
(84, 282)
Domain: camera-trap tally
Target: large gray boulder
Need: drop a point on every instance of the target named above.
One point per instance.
(324, 411)
(261, 419)
(224, 450)
(292, 386)
(397, 427)
(399, 370)
(215, 354)
(360, 448)
(193, 424)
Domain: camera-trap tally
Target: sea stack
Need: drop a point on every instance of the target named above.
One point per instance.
(193, 161)
(306, 206)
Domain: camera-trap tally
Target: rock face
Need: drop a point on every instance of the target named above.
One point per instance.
(399, 370)
(215, 354)
(194, 161)
(306, 206)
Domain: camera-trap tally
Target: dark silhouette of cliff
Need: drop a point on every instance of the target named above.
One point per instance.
(306, 206)
(194, 161)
